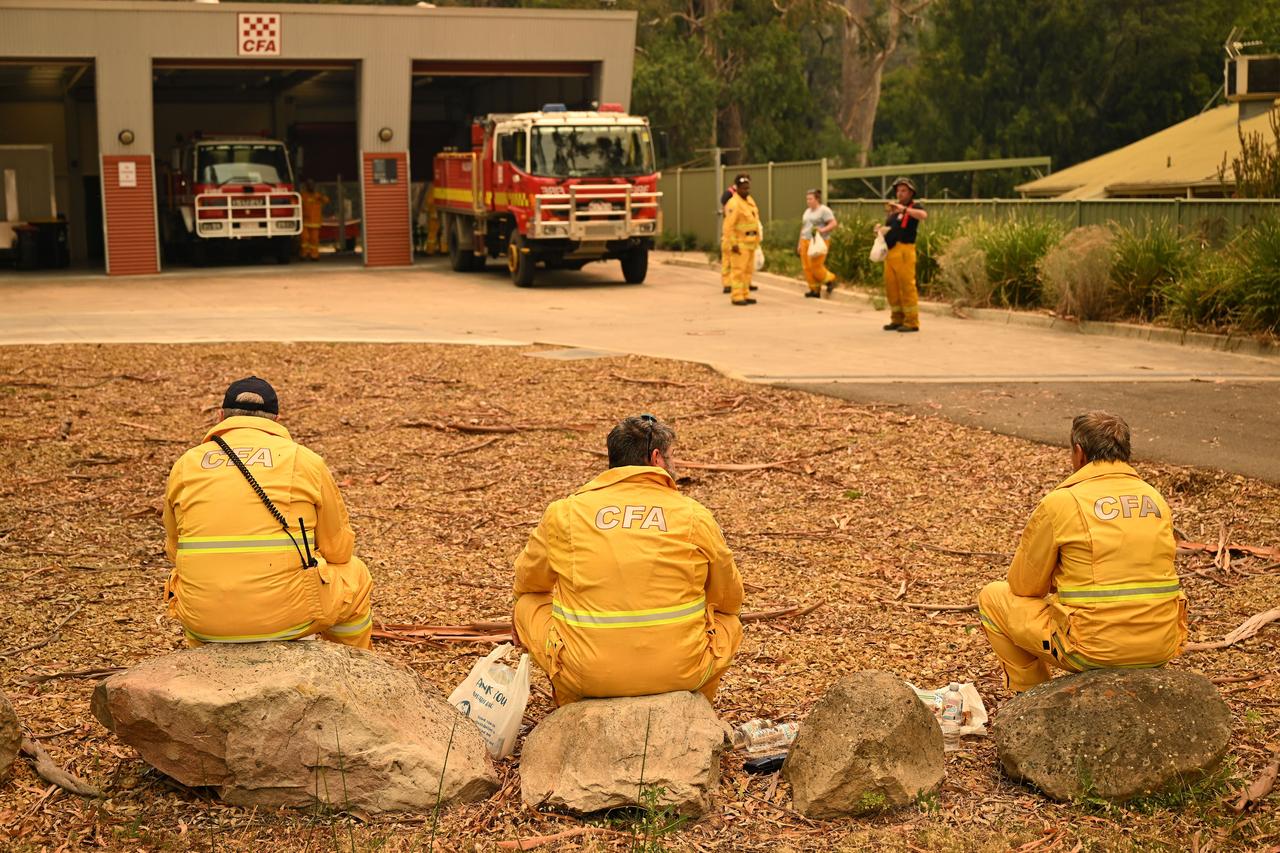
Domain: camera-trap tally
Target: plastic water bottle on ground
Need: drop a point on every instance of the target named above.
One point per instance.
(951, 717)
(759, 737)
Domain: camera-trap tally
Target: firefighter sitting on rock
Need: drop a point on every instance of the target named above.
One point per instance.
(626, 587)
(259, 535)
(1092, 585)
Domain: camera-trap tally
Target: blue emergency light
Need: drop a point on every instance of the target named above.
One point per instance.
(554, 108)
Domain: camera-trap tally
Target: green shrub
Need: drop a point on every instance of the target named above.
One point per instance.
(1147, 264)
(1076, 274)
(962, 271)
(1206, 296)
(1013, 249)
(1258, 275)
(850, 248)
(685, 242)
(931, 243)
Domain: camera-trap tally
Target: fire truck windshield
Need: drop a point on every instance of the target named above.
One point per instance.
(242, 163)
(591, 151)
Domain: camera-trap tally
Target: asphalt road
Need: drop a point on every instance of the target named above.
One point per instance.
(1186, 405)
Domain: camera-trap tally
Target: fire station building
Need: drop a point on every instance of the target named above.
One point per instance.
(98, 96)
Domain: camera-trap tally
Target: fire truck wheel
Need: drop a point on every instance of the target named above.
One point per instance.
(460, 259)
(198, 252)
(520, 262)
(635, 265)
(282, 250)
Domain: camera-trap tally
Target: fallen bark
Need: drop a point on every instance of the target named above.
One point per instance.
(735, 467)
(995, 555)
(470, 448)
(636, 381)
(53, 635)
(82, 673)
(925, 605)
(1185, 547)
(48, 770)
(1260, 787)
(1247, 629)
(489, 429)
(539, 840)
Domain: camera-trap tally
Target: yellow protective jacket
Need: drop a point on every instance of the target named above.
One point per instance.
(1101, 545)
(313, 209)
(741, 222)
(637, 572)
(237, 576)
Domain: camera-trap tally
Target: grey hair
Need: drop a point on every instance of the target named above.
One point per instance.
(1103, 437)
(632, 441)
(249, 397)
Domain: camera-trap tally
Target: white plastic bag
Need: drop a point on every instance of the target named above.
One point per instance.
(494, 696)
(975, 713)
(817, 246)
(758, 262)
(879, 249)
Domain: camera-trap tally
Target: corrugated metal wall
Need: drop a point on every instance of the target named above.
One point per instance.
(130, 215)
(689, 197)
(387, 238)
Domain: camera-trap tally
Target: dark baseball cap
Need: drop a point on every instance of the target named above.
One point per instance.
(252, 385)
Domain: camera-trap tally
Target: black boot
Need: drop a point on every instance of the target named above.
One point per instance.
(812, 294)
(892, 327)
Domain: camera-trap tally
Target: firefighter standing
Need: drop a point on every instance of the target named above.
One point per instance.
(899, 231)
(313, 203)
(1093, 583)
(239, 576)
(817, 219)
(627, 587)
(724, 244)
(742, 233)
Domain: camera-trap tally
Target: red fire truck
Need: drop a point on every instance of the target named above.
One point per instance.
(230, 191)
(556, 187)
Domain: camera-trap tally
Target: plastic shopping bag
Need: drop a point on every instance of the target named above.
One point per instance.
(494, 697)
(758, 262)
(973, 720)
(817, 246)
(879, 249)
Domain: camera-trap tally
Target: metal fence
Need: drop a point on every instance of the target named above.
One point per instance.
(1211, 219)
(690, 200)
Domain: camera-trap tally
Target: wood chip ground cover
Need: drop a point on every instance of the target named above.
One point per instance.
(88, 433)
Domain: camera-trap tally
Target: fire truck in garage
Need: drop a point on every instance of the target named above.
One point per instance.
(556, 187)
(225, 191)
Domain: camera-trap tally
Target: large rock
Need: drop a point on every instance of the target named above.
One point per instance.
(1114, 734)
(292, 723)
(10, 734)
(869, 745)
(598, 754)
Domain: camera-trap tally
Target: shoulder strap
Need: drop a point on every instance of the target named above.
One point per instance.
(308, 561)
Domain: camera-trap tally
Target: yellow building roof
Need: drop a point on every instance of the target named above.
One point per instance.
(1185, 156)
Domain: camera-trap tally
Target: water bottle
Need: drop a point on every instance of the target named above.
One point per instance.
(953, 706)
(773, 739)
(745, 733)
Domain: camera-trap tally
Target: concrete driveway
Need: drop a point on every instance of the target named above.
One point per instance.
(1186, 405)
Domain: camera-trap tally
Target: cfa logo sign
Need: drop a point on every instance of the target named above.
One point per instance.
(258, 35)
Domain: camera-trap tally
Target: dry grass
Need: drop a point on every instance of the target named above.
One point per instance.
(87, 435)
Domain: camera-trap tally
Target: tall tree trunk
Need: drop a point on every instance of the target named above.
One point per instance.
(862, 62)
(731, 134)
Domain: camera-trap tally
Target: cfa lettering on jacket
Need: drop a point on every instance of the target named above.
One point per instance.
(1109, 508)
(628, 517)
(249, 455)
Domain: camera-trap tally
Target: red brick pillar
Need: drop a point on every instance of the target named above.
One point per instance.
(388, 234)
(129, 202)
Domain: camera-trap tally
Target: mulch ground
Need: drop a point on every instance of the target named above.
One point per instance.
(856, 521)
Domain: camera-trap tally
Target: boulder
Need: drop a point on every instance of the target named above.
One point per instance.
(869, 745)
(598, 754)
(10, 734)
(1113, 734)
(294, 723)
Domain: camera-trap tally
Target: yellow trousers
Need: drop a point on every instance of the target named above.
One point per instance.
(815, 268)
(900, 285)
(724, 263)
(310, 242)
(741, 265)
(533, 621)
(345, 614)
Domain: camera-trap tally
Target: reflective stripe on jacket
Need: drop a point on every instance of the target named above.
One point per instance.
(635, 570)
(237, 575)
(741, 222)
(1102, 545)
